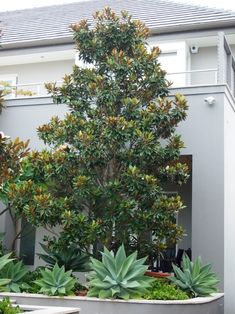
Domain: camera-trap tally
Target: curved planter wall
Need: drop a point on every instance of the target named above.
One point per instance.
(207, 305)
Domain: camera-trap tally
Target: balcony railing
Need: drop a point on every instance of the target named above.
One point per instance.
(178, 79)
(226, 63)
(193, 77)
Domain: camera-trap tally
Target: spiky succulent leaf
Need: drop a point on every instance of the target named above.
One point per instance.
(4, 281)
(5, 259)
(72, 258)
(194, 278)
(118, 276)
(56, 281)
(15, 272)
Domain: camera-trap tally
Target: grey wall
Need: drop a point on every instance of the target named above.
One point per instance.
(206, 139)
(203, 133)
(232, 47)
(23, 121)
(39, 72)
(229, 204)
(206, 58)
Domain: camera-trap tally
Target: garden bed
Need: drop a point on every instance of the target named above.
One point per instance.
(205, 305)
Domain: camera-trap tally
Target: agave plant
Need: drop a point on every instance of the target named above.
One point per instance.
(118, 276)
(71, 258)
(194, 278)
(4, 260)
(56, 281)
(15, 272)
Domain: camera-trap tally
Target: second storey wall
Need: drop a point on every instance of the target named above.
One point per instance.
(38, 72)
(204, 59)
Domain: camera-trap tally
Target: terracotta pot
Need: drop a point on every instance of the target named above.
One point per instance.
(157, 274)
(81, 293)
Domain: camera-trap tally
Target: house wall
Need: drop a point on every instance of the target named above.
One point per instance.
(27, 117)
(23, 120)
(38, 72)
(203, 135)
(205, 138)
(206, 58)
(232, 47)
(229, 203)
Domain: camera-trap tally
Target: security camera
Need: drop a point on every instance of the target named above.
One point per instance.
(194, 49)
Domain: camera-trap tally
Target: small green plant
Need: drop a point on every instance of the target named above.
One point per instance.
(163, 290)
(71, 258)
(7, 308)
(118, 276)
(56, 281)
(15, 272)
(29, 284)
(194, 278)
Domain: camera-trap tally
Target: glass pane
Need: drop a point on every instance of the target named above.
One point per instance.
(27, 243)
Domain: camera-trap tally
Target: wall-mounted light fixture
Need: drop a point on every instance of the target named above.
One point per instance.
(210, 100)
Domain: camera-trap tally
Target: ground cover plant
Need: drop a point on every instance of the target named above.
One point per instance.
(161, 289)
(109, 158)
(7, 308)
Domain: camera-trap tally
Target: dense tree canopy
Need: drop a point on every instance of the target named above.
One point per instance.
(102, 178)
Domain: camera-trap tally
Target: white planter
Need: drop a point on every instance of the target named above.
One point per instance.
(206, 305)
(35, 309)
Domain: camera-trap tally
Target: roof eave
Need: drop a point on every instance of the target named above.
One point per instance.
(68, 39)
(52, 41)
(216, 25)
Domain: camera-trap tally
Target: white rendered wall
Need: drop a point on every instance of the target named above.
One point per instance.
(202, 132)
(23, 121)
(205, 58)
(232, 47)
(39, 72)
(229, 205)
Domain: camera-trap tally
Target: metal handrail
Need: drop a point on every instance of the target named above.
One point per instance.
(194, 71)
(38, 85)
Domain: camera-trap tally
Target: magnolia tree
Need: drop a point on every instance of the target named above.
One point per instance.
(11, 155)
(115, 149)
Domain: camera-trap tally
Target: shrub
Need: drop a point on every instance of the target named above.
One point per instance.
(56, 281)
(162, 290)
(118, 276)
(195, 279)
(7, 308)
(29, 284)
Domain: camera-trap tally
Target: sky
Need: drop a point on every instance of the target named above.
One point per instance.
(22, 4)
